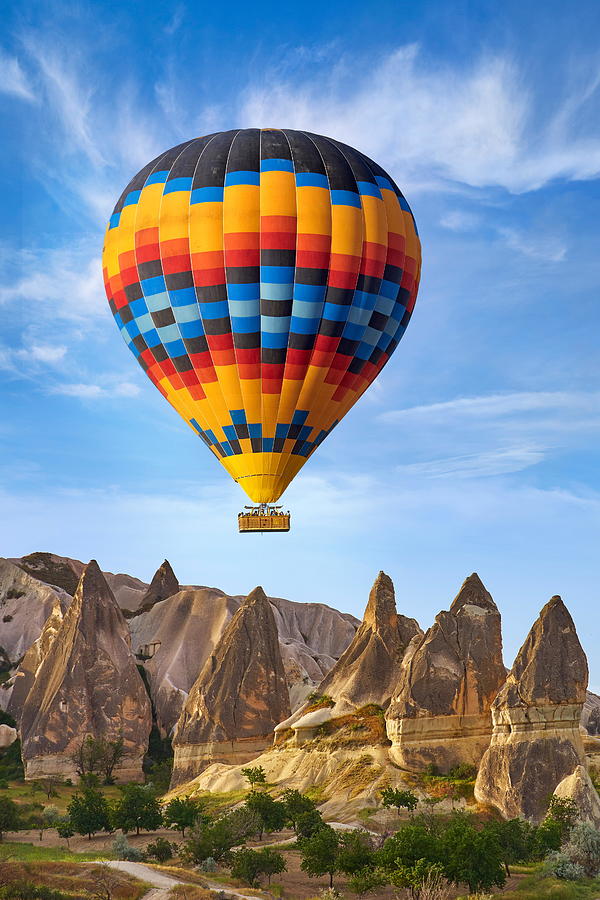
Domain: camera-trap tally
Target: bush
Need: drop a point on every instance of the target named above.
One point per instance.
(559, 865)
(27, 890)
(208, 865)
(122, 849)
(161, 850)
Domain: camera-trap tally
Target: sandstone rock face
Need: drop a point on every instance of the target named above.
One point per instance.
(590, 717)
(536, 742)
(25, 604)
(182, 631)
(8, 736)
(440, 711)
(579, 788)
(163, 585)
(369, 669)
(240, 695)
(22, 681)
(64, 572)
(87, 683)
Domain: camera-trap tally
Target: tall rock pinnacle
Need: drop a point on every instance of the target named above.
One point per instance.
(369, 669)
(440, 710)
(163, 585)
(536, 741)
(87, 684)
(239, 696)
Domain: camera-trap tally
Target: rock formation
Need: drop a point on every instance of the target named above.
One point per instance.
(8, 736)
(163, 585)
(25, 604)
(179, 634)
(579, 788)
(369, 669)
(536, 742)
(440, 711)
(22, 681)
(240, 695)
(87, 684)
(64, 572)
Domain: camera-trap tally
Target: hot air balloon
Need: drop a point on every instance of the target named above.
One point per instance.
(262, 278)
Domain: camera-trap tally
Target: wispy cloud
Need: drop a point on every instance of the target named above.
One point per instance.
(473, 125)
(97, 391)
(477, 465)
(44, 353)
(13, 80)
(542, 247)
(460, 220)
(66, 281)
(497, 405)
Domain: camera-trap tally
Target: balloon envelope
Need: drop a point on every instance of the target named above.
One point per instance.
(262, 279)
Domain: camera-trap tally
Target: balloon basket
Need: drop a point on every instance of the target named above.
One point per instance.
(263, 518)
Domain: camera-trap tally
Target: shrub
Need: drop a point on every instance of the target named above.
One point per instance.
(161, 849)
(559, 865)
(208, 865)
(122, 849)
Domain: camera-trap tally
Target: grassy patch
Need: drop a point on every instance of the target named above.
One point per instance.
(27, 792)
(536, 887)
(366, 726)
(318, 701)
(189, 892)
(75, 880)
(214, 803)
(38, 852)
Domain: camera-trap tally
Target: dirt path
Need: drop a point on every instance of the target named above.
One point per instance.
(162, 884)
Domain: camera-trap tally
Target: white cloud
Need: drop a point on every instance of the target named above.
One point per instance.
(477, 465)
(66, 281)
(69, 96)
(544, 248)
(459, 220)
(44, 353)
(428, 125)
(13, 80)
(497, 406)
(96, 391)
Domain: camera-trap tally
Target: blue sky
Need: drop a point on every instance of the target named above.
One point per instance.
(477, 447)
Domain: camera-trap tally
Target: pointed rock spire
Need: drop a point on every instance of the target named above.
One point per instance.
(163, 585)
(239, 696)
(536, 742)
(370, 667)
(440, 711)
(87, 683)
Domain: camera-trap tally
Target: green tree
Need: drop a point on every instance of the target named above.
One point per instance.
(248, 865)
(296, 804)
(137, 808)
(182, 813)
(9, 816)
(399, 799)
(65, 830)
(355, 852)
(88, 812)
(271, 814)
(470, 856)
(320, 853)
(255, 775)
(564, 811)
(514, 839)
(411, 843)
(161, 850)
(308, 823)
(419, 878)
(216, 838)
